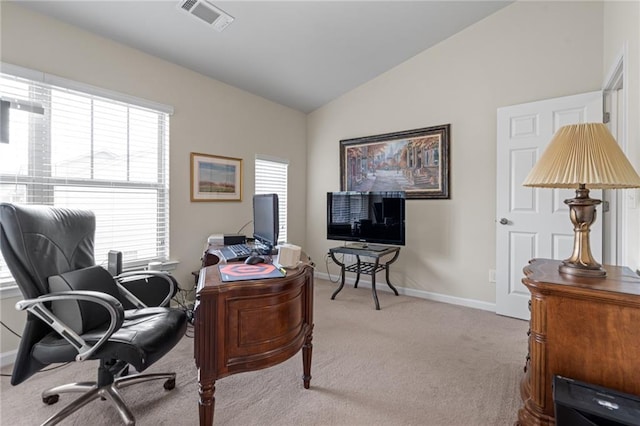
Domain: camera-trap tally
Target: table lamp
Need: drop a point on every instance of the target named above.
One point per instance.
(583, 156)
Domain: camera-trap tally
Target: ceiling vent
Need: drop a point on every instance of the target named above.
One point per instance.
(209, 13)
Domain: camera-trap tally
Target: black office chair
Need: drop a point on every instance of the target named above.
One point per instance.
(75, 308)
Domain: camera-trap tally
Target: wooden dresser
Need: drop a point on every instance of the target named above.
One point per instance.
(586, 329)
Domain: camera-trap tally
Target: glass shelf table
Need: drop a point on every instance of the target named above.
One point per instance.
(374, 252)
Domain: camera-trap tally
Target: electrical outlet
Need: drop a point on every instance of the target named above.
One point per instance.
(492, 275)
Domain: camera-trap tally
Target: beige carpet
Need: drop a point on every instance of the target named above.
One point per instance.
(414, 362)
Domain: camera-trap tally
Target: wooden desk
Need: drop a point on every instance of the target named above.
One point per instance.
(249, 325)
(587, 329)
(367, 268)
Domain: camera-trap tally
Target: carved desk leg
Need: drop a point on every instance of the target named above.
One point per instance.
(206, 403)
(307, 348)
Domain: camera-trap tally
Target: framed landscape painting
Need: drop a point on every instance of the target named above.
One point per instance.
(215, 178)
(414, 161)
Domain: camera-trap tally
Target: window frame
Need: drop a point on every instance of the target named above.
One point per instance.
(281, 189)
(42, 173)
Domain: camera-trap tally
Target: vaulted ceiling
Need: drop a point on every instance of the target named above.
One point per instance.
(301, 54)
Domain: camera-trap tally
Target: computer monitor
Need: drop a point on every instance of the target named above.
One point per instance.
(265, 221)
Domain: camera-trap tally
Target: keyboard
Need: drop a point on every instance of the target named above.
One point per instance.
(236, 252)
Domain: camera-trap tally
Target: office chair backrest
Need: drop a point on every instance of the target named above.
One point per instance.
(38, 242)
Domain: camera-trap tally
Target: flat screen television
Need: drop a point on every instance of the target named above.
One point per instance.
(366, 217)
(265, 221)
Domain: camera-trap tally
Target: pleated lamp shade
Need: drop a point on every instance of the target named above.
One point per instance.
(583, 154)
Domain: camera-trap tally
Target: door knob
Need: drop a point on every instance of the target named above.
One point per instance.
(504, 221)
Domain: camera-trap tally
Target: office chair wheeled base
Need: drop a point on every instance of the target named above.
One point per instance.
(108, 392)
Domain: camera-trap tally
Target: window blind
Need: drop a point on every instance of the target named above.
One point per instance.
(70, 148)
(271, 176)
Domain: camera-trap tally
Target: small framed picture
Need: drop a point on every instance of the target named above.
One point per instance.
(215, 178)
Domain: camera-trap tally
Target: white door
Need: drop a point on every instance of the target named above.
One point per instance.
(534, 222)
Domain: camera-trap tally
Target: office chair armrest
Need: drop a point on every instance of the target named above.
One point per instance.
(140, 275)
(110, 303)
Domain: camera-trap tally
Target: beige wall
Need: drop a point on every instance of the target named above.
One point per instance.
(210, 117)
(622, 36)
(527, 51)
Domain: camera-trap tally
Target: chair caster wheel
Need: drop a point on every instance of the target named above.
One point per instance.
(51, 399)
(170, 384)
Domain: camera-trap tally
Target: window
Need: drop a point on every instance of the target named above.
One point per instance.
(271, 177)
(70, 145)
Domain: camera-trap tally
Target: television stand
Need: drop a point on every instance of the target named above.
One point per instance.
(367, 268)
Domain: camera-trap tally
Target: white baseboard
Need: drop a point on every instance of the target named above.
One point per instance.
(436, 297)
(8, 358)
